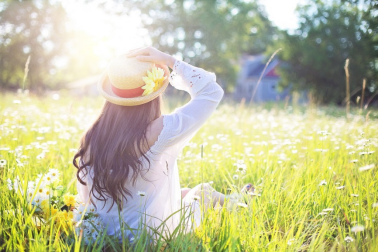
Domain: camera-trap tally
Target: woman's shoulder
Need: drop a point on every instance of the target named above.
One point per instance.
(154, 130)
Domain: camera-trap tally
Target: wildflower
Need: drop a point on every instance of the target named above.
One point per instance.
(291, 241)
(340, 187)
(235, 177)
(91, 209)
(16, 184)
(358, 228)
(195, 197)
(254, 194)
(153, 80)
(80, 209)
(348, 239)
(76, 216)
(19, 163)
(375, 204)
(48, 210)
(240, 166)
(3, 163)
(69, 200)
(323, 213)
(353, 161)
(47, 179)
(41, 156)
(323, 182)
(240, 204)
(367, 167)
(141, 193)
(31, 185)
(64, 219)
(53, 174)
(30, 193)
(41, 190)
(354, 195)
(328, 210)
(9, 184)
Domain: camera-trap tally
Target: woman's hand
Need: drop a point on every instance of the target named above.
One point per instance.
(151, 54)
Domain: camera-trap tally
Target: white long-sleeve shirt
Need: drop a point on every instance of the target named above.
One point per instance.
(161, 183)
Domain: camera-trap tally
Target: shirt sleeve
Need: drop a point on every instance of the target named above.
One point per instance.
(181, 125)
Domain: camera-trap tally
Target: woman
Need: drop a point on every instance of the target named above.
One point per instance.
(128, 157)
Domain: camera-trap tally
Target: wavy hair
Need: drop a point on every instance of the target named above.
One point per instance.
(112, 147)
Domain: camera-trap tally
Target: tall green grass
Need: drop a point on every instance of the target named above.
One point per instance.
(302, 162)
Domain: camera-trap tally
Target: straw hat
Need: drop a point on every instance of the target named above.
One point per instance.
(122, 83)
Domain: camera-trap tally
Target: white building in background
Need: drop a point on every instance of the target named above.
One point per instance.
(251, 70)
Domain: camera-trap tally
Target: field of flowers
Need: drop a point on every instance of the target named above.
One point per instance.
(315, 176)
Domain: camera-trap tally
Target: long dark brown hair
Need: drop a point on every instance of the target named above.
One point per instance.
(112, 147)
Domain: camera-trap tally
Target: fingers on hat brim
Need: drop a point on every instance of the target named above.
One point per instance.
(165, 68)
(138, 51)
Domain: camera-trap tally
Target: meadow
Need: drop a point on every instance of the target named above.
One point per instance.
(315, 174)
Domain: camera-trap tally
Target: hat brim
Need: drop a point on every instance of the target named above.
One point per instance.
(104, 87)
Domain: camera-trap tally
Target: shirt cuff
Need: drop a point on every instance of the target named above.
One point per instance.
(190, 78)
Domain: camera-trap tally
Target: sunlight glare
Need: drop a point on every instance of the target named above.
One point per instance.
(109, 34)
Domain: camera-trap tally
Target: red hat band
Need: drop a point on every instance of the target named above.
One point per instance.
(127, 93)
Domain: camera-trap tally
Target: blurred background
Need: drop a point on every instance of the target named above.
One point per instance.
(51, 45)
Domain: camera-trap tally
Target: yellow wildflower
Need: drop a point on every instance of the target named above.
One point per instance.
(153, 81)
(69, 200)
(47, 209)
(64, 220)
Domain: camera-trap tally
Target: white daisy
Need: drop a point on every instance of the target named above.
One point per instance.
(54, 174)
(328, 210)
(323, 182)
(348, 239)
(91, 208)
(358, 228)
(367, 167)
(3, 163)
(9, 184)
(291, 241)
(195, 197)
(240, 204)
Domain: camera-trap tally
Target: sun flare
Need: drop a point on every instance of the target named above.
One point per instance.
(108, 34)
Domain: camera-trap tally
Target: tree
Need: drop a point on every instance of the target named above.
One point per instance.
(30, 28)
(207, 33)
(329, 33)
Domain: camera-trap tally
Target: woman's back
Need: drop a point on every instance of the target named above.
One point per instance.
(155, 195)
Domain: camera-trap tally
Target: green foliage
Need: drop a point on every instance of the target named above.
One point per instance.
(39, 29)
(34, 28)
(329, 33)
(208, 33)
(301, 161)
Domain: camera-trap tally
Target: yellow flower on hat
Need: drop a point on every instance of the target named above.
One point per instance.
(153, 80)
